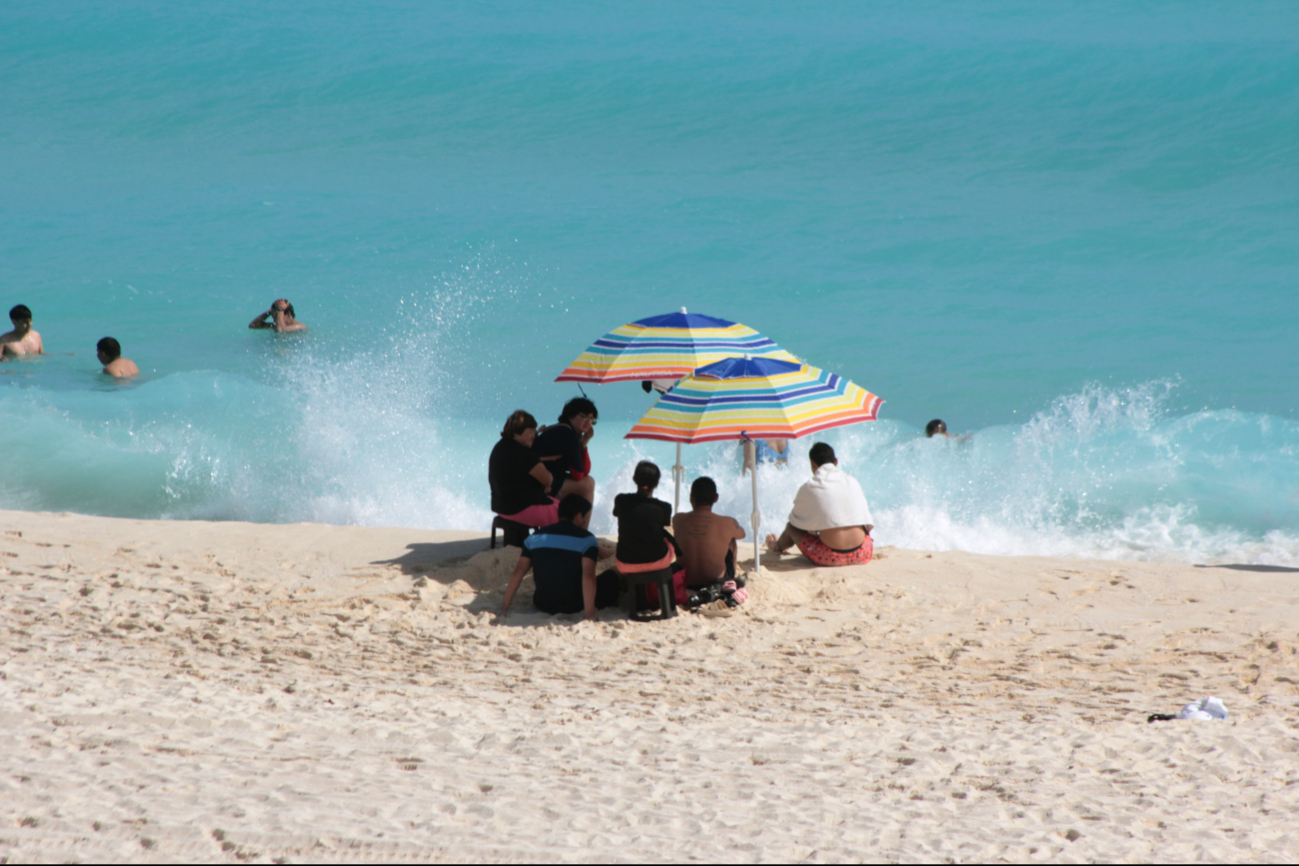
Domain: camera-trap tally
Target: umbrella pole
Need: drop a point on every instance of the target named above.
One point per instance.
(755, 518)
(678, 475)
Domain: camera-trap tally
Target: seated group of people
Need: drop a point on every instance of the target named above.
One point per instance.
(542, 479)
(562, 556)
(530, 471)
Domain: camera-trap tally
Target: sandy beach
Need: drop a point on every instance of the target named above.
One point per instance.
(221, 691)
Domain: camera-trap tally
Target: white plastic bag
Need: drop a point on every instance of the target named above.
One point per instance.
(1205, 708)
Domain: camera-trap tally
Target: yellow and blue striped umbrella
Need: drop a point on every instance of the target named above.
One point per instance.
(755, 398)
(667, 347)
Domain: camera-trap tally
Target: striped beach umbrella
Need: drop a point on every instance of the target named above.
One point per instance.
(662, 349)
(667, 347)
(755, 398)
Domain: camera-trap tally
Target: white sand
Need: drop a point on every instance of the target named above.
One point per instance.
(211, 691)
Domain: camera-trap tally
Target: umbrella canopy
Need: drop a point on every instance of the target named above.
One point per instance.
(755, 398)
(667, 347)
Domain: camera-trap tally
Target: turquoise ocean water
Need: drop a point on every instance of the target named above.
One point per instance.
(1069, 229)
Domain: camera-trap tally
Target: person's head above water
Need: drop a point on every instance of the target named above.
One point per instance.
(821, 454)
(109, 350)
(281, 318)
(23, 339)
(578, 406)
(646, 477)
(110, 355)
(703, 491)
(935, 427)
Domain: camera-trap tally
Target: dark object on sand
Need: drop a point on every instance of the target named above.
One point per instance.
(512, 534)
(640, 606)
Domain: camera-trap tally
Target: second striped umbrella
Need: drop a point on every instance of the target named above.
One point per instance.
(755, 398)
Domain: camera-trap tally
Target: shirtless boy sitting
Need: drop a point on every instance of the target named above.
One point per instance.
(707, 540)
(281, 318)
(110, 355)
(22, 340)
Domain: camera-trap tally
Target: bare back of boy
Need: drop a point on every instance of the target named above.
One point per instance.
(704, 540)
(122, 368)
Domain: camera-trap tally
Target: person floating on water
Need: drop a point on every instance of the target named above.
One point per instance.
(830, 521)
(22, 340)
(281, 319)
(562, 449)
(773, 451)
(110, 355)
(937, 429)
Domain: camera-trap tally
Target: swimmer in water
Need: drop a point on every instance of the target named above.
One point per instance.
(773, 451)
(937, 428)
(110, 355)
(281, 319)
(22, 340)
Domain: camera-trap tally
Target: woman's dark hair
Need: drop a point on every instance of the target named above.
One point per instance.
(935, 426)
(109, 347)
(288, 308)
(646, 477)
(577, 406)
(821, 454)
(517, 423)
(703, 491)
(573, 505)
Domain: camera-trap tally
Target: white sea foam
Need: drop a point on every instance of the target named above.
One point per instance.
(371, 440)
(361, 440)
(1102, 473)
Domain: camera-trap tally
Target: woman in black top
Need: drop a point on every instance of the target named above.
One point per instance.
(518, 479)
(642, 521)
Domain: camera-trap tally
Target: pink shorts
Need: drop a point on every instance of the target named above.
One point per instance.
(537, 516)
(816, 550)
(642, 567)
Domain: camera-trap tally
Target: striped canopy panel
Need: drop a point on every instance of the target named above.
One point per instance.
(667, 347)
(758, 397)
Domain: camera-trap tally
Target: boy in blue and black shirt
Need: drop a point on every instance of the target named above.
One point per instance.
(562, 557)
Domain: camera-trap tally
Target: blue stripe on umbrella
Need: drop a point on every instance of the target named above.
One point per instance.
(635, 345)
(802, 394)
(683, 320)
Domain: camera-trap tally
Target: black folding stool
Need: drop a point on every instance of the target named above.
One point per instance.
(513, 534)
(667, 595)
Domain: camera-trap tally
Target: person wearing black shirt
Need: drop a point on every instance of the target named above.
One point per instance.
(562, 449)
(644, 544)
(562, 557)
(517, 477)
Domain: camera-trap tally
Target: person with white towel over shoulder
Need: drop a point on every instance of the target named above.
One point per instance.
(830, 522)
